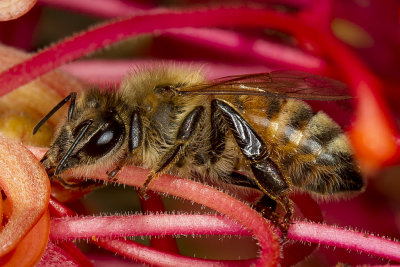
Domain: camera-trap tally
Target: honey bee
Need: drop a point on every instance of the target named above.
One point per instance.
(171, 120)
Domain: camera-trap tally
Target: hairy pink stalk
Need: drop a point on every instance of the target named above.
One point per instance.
(155, 205)
(142, 225)
(155, 225)
(133, 250)
(212, 198)
(138, 252)
(202, 194)
(302, 231)
(349, 239)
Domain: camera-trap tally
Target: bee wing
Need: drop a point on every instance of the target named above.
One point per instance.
(292, 84)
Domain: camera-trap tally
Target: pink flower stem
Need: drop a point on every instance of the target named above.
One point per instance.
(163, 224)
(148, 255)
(349, 239)
(155, 205)
(212, 198)
(111, 32)
(202, 194)
(302, 231)
(58, 210)
(142, 225)
(138, 252)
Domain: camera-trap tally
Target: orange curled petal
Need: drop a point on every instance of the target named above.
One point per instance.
(372, 135)
(27, 188)
(12, 9)
(32, 246)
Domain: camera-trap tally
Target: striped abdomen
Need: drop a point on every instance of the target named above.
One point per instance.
(309, 147)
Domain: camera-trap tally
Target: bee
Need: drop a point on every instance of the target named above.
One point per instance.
(169, 119)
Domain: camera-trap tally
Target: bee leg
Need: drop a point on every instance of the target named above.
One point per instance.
(167, 160)
(135, 131)
(183, 136)
(287, 219)
(267, 174)
(272, 182)
(79, 185)
(266, 205)
(111, 174)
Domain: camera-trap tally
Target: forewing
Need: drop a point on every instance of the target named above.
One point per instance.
(292, 84)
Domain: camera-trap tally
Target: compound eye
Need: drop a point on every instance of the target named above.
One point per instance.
(105, 139)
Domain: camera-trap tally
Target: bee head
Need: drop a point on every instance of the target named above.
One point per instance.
(93, 133)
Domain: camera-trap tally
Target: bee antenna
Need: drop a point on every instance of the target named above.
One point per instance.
(72, 147)
(71, 105)
(71, 96)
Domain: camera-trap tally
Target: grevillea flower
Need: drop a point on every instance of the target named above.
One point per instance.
(226, 39)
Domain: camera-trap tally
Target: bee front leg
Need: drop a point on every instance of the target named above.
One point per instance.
(134, 141)
(267, 174)
(183, 136)
(111, 174)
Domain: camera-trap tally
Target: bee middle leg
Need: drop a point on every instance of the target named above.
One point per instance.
(267, 174)
(184, 134)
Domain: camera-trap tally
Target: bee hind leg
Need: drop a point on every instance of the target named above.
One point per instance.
(267, 175)
(267, 206)
(271, 181)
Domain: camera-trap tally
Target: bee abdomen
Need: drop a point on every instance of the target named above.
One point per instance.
(333, 170)
(316, 154)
